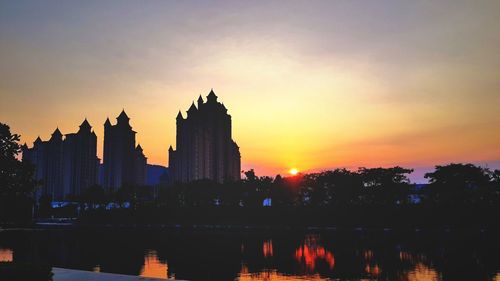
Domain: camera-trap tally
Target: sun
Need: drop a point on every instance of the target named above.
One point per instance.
(293, 171)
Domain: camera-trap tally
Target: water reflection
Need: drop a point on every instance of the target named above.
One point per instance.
(267, 248)
(310, 252)
(274, 275)
(153, 267)
(204, 255)
(421, 272)
(6, 255)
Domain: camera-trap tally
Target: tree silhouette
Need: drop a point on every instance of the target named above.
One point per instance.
(461, 184)
(94, 195)
(386, 186)
(17, 184)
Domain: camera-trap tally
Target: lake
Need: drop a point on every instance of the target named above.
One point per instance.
(340, 254)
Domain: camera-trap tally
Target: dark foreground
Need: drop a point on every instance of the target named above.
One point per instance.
(400, 217)
(256, 254)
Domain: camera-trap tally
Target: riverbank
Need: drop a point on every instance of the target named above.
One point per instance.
(400, 217)
(245, 228)
(231, 218)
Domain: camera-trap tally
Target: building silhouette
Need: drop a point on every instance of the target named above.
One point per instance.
(140, 166)
(124, 163)
(66, 166)
(204, 145)
(80, 163)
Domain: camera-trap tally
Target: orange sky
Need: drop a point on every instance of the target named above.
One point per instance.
(308, 86)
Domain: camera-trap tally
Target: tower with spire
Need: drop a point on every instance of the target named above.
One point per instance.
(124, 163)
(80, 160)
(66, 165)
(204, 145)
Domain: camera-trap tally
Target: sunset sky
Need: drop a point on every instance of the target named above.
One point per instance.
(309, 84)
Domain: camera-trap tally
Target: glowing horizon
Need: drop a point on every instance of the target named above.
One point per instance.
(312, 87)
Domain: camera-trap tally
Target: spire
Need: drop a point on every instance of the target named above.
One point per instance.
(211, 96)
(38, 140)
(200, 101)
(57, 132)
(123, 116)
(139, 147)
(192, 108)
(179, 116)
(56, 135)
(24, 146)
(107, 123)
(85, 125)
(170, 149)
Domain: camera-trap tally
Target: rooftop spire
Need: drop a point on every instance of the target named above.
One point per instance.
(211, 96)
(179, 115)
(123, 115)
(107, 123)
(57, 132)
(192, 108)
(85, 125)
(200, 101)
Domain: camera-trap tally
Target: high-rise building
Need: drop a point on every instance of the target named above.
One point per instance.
(66, 166)
(140, 166)
(124, 164)
(205, 148)
(80, 163)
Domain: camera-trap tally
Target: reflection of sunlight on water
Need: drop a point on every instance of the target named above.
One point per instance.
(6, 255)
(413, 258)
(153, 267)
(373, 270)
(310, 252)
(267, 248)
(274, 275)
(422, 272)
(96, 268)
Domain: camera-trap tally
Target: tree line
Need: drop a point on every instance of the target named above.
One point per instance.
(453, 184)
(449, 185)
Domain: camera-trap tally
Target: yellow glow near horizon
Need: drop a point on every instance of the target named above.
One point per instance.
(293, 171)
(340, 85)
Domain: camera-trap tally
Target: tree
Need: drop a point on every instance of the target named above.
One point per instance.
(386, 185)
(459, 184)
(94, 195)
(17, 183)
(345, 187)
(284, 192)
(255, 189)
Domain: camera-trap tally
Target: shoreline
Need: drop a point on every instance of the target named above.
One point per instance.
(243, 228)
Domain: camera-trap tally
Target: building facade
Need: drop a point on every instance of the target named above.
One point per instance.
(65, 166)
(204, 145)
(124, 163)
(80, 163)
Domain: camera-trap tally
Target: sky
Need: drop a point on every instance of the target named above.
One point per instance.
(312, 85)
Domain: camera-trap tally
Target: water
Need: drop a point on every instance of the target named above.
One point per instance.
(263, 255)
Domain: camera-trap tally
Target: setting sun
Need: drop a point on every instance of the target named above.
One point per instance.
(293, 171)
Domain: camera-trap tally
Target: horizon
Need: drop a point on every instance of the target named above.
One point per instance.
(336, 85)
